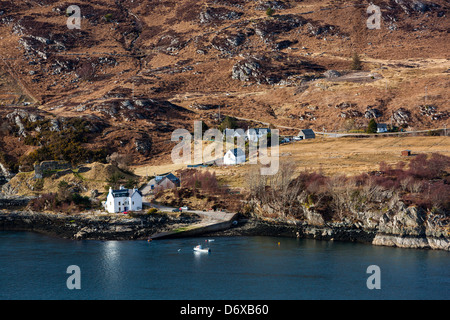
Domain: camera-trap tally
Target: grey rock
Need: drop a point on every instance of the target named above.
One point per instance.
(330, 74)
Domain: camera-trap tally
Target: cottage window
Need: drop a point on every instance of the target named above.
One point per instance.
(119, 203)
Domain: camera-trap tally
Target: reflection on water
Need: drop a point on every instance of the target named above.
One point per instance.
(111, 263)
(33, 266)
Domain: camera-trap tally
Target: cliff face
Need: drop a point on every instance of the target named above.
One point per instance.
(413, 228)
(409, 227)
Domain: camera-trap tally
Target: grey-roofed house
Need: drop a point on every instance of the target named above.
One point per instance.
(164, 181)
(306, 134)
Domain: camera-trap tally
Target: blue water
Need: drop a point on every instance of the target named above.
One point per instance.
(33, 266)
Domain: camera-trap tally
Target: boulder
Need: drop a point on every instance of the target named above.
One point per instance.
(246, 70)
(330, 74)
(401, 116)
(372, 113)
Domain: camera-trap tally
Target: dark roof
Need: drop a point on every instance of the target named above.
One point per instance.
(307, 133)
(381, 125)
(120, 193)
(124, 193)
(169, 176)
(237, 152)
(258, 131)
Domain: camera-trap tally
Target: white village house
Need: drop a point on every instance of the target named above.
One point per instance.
(123, 200)
(254, 134)
(381, 127)
(234, 156)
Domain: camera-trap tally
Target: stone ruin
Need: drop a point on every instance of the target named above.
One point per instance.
(48, 166)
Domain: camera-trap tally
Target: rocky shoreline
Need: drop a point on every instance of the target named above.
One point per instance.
(335, 232)
(119, 227)
(93, 227)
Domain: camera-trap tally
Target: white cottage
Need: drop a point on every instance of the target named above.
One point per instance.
(233, 157)
(123, 200)
(381, 127)
(254, 134)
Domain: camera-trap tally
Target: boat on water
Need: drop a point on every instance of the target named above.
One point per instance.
(200, 248)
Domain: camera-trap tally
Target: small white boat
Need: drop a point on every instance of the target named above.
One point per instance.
(199, 248)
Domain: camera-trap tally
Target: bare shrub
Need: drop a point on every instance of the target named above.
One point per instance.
(429, 168)
(437, 195)
(205, 180)
(278, 192)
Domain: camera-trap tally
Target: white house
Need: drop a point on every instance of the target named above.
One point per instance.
(254, 134)
(234, 156)
(238, 133)
(123, 200)
(381, 127)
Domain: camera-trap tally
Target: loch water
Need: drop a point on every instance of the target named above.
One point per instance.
(35, 266)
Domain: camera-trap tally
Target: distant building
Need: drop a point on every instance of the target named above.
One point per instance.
(306, 134)
(406, 153)
(234, 156)
(381, 127)
(254, 134)
(238, 133)
(123, 200)
(165, 181)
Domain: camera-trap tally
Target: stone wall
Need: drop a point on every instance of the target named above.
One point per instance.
(46, 166)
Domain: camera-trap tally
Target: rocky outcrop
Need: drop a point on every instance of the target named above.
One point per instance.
(212, 15)
(432, 112)
(277, 5)
(246, 70)
(401, 116)
(405, 227)
(268, 29)
(330, 74)
(228, 42)
(372, 113)
(87, 226)
(144, 145)
(412, 228)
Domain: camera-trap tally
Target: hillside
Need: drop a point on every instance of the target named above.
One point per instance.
(137, 70)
